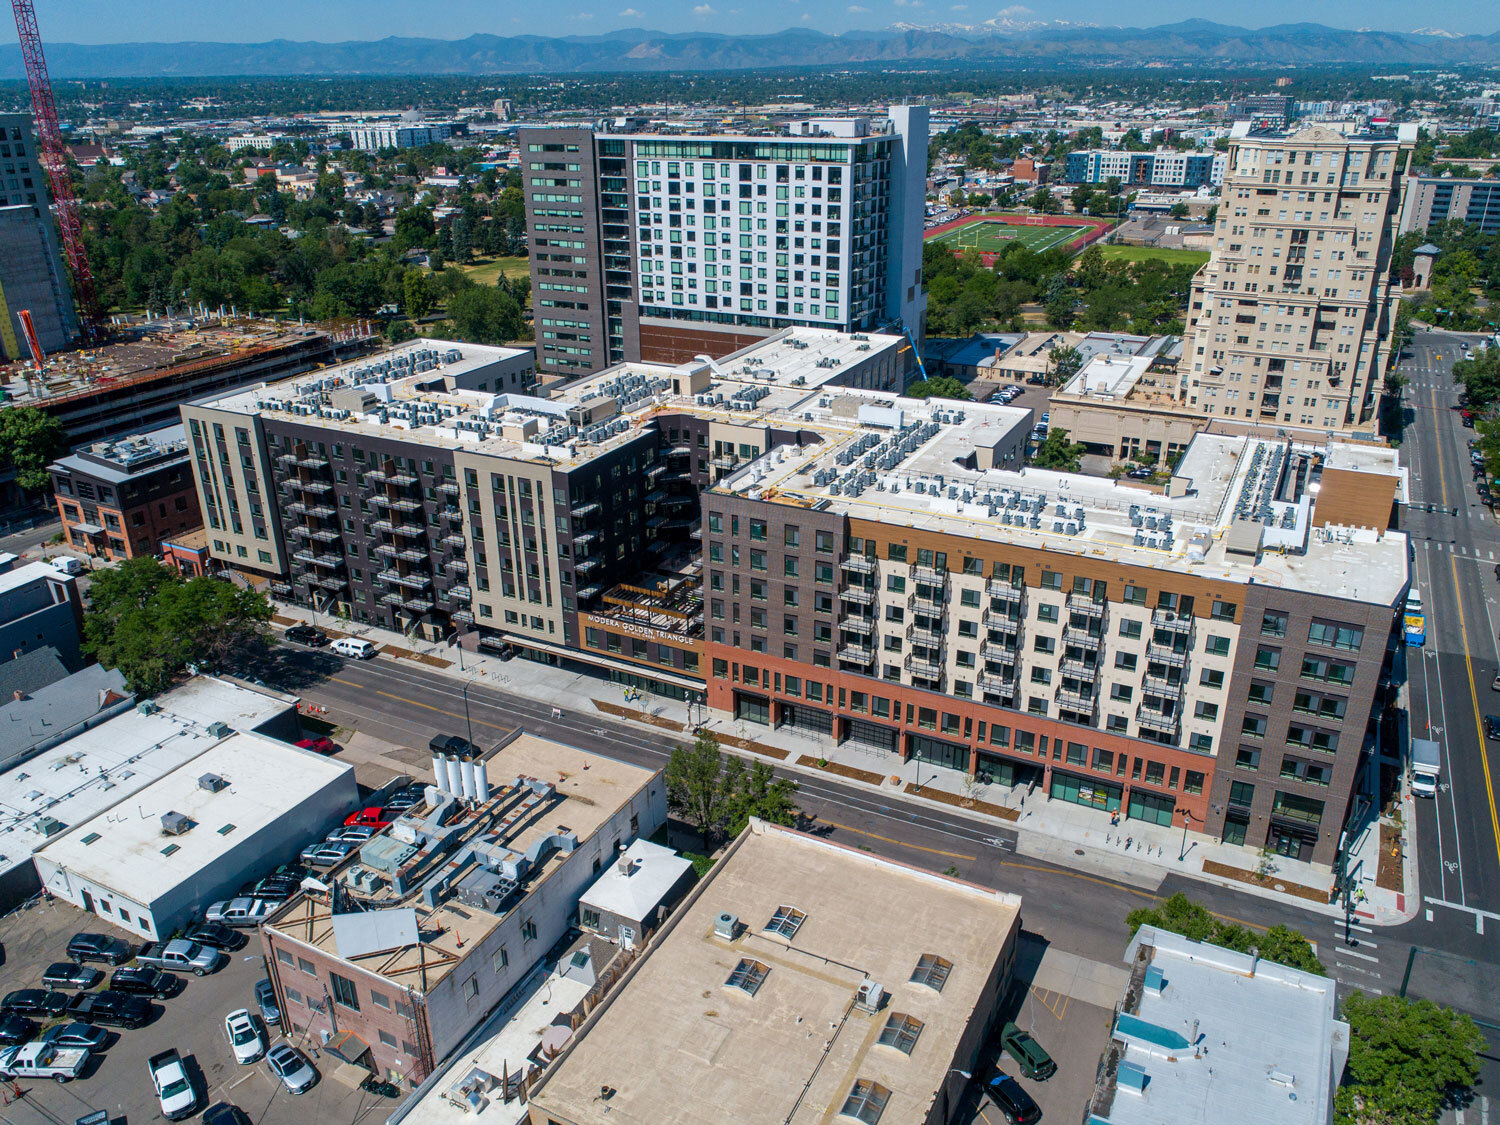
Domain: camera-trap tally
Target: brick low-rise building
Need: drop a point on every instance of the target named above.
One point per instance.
(124, 499)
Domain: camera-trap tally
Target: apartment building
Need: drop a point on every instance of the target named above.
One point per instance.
(1290, 319)
(658, 247)
(122, 499)
(429, 926)
(31, 268)
(425, 490)
(1162, 168)
(1213, 652)
(1434, 200)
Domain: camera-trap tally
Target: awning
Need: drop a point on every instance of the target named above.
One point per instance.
(87, 528)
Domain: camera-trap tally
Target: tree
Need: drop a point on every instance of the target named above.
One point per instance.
(1479, 377)
(1091, 268)
(1063, 362)
(1045, 202)
(1179, 210)
(1057, 452)
(694, 783)
(1408, 1060)
(150, 624)
(1181, 915)
(943, 386)
(29, 439)
(416, 289)
(757, 792)
(485, 314)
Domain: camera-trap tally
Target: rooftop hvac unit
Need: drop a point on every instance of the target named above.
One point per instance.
(726, 925)
(212, 782)
(219, 730)
(870, 996)
(175, 823)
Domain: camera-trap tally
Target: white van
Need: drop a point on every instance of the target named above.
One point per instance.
(353, 646)
(66, 564)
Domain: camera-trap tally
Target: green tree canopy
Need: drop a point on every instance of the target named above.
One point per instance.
(944, 386)
(150, 624)
(718, 796)
(1480, 377)
(1057, 452)
(1408, 1059)
(1181, 915)
(29, 439)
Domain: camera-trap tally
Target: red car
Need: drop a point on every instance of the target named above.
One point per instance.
(320, 745)
(374, 816)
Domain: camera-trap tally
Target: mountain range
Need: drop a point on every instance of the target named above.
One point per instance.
(1199, 43)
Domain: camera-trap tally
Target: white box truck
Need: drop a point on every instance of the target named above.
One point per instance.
(1426, 766)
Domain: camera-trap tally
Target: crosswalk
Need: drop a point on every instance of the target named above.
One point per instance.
(1438, 547)
(1349, 953)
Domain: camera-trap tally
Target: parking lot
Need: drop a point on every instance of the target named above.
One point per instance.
(192, 1021)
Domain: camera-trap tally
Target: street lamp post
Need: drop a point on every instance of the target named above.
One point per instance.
(468, 722)
(1187, 818)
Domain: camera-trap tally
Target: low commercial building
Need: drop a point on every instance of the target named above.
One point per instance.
(628, 900)
(40, 608)
(122, 499)
(154, 860)
(975, 358)
(431, 925)
(1126, 408)
(65, 766)
(786, 988)
(46, 711)
(1201, 1026)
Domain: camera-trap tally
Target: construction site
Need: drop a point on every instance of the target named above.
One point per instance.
(139, 382)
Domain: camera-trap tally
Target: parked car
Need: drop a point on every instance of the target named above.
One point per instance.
(374, 817)
(239, 911)
(306, 635)
(1492, 726)
(99, 947)
(354, 647)
(110, 1009)
(451, 744)
(36, 1002)
(143, 980)
(358, 833)
(265, 1000)
(1035, 1063)
(329, 853)
(173, 1087)
(245, 1038)
(178, 954)
(1012, 1101)
(43, 1060)
(320, 745)
(225, 1113)
(1141, 474)
(214, 934)
(291, 1066)
(70, 974)
(16, 1029)
(278, 888)
(77, 1035)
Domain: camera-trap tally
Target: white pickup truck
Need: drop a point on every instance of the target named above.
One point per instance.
(173, 1087)
(43, 1060)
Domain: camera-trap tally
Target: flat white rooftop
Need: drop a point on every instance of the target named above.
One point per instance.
(653, 871)
(128, 851)
(23, 576)
(1108, 376)
(77, 779)
(1268, 1043)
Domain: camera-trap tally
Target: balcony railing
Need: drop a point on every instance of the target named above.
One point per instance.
(859, 564)
(1082, 637)
(1082, 603)
(1002, 589)
(930, 574)
(1158, 721)
(857, 624)
(858, 654)
(922, 635)
(860, 595)
(1166, 655)
(1168, 619)
(927, 669)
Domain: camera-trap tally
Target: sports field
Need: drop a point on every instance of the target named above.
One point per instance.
(989, 236)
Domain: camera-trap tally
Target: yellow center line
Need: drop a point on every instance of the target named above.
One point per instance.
(899, 843)
(1463, 627)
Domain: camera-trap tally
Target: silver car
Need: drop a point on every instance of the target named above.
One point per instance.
(291, 1066)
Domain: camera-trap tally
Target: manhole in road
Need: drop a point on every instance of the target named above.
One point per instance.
(1078, 851)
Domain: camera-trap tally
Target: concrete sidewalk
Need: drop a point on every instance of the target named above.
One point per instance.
(1074, 836)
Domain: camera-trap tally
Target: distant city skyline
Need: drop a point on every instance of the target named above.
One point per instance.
(113, 21)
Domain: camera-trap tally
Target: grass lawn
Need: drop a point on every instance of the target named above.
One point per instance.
(485, 270)
(1153, 254)
(991, 235)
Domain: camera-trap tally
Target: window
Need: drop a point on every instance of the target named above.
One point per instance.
(1335, 636)
(1223, 611)
(380, 1000)
(1217, 646)
(344, 992)
(866, 1102)
(1131, 630)
(1273, 624)
(748, 976)
(528, 930)
(285, 958)
(307, 966)
(1211, 678)
(387, 1038)
(786, 921)
(1267, 659)
(932, 971)
(901, 1032)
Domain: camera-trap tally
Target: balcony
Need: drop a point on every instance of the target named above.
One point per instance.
(854, 623)
(457, 566)
(1004, 654)
(929, 574)
(997, 682)
(314, 511)
(1161, 685)
(300, 485)
(315, 559)
(331, 582)
(1072, 635)
(859, 595)
(1166, 655)
(398, 477)
(450, 487)
(312, 461)
(386, 550)
(1075, 699)
(461, 594)
(409, 581)
(924, 668)
(859, 564)
(284, 589)
(453, 539)
(863, 655)
(922, 635)
(418, 605)
(585, 509)
(462, 616)
(928, 599)
(392, 599)
(1083, 669)
(1158, 720)
(1175, 622)
(1002, 623)
(326, 535)
(1082, 603)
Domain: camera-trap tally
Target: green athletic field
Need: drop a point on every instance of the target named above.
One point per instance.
(990, 236)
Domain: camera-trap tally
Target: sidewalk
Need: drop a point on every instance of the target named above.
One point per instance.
(1073, 836)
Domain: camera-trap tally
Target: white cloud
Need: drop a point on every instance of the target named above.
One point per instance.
(855, 9)
(583, 17)
(806, 16)
(959, 8)
(703, 10)
(1015, 11)
(630, 14)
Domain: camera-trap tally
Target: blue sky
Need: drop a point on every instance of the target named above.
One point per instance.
(107, 21)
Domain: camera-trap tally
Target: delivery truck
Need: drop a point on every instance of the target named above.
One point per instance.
(1426, 767)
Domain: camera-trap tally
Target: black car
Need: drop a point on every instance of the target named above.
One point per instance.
(214, 934)
(277, 888)
(1014, 1102)
(143, 980)
(111, 1009)
(451, 744)
(100, 947)
(307, 635)
(36, 1002)
(77, 1035)
(225, 1114)
(1492, 726)
(70, 974)
(16, 1029)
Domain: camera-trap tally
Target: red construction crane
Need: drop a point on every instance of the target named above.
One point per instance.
(54, 161)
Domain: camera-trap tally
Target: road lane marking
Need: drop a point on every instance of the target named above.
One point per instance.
(1484, 752)
(1490, 914)
(1339, 951)
(898, 843)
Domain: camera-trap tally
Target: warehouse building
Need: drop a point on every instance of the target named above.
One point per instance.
(786, 986)
(156, 859)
